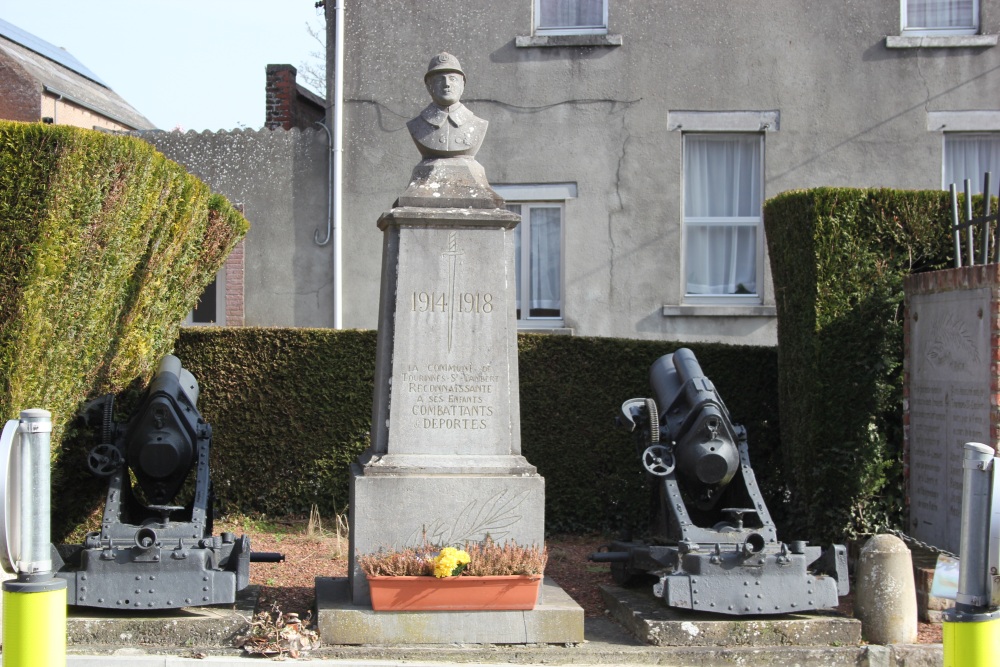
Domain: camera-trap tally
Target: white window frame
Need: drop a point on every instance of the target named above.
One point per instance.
(917, 31)
(567, 30)
(219, 284)
(527, 196)
(755, 221)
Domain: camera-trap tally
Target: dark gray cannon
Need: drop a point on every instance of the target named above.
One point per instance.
(151, 553)
(712, 543)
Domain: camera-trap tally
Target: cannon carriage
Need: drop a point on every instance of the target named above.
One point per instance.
(712, 544)
(151, 553)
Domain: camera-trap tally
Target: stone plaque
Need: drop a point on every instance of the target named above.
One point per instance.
(948, 405)
(451, 388)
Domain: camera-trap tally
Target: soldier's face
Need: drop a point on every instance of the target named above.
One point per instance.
(446, 88)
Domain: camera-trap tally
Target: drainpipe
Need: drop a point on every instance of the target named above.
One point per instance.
(335, 179)
(338, 155)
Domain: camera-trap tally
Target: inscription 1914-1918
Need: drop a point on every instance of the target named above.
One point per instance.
(464, 302)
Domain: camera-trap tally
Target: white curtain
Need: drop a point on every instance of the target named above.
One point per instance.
(722, 180)
(970, 156)
(545, 259)
(570, 13)
(542, 224)
(940, 14)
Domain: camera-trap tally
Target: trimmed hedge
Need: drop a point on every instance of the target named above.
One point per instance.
(105, 246)
(838, 259)
(291, 410)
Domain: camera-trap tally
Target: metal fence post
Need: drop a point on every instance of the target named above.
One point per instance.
(34, 624)
(971, 632)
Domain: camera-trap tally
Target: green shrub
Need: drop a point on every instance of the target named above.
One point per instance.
(290, 410)
(105, 246)
(838, 259)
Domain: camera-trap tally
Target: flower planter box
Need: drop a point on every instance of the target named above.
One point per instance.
(515, 592)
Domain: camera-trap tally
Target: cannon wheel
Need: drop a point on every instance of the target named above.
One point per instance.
(104, 460)
(658, 460)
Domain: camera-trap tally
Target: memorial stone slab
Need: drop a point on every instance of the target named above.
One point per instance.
(950, 384)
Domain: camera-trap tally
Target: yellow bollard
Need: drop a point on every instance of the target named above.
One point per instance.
(34, 623)
(971, 640)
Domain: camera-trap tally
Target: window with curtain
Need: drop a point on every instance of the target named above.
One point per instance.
(538, 260)
(955, 17)
(722, 214)
(969, 156)
(571, 16)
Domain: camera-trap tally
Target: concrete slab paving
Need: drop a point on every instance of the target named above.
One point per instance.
(606, 643)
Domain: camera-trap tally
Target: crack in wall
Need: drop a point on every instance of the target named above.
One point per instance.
(612, 245)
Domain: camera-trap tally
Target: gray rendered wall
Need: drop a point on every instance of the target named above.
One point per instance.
(280, 176)
(852, 112)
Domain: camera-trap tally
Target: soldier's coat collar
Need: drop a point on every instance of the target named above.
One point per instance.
(457, 114)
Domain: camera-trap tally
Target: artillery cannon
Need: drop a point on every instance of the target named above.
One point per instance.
(149, 553)
(713, 546)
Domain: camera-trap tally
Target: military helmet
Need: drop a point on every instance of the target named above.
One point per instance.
(443, 62)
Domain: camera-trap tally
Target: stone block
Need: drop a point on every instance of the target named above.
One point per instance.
(651, 621)
(885, 598)
(392, 511)
(216, 626)
(557, 619)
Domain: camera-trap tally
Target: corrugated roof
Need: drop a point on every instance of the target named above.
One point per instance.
(50, 51)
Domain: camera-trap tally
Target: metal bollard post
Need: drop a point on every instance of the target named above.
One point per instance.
(971, 631)
(34, 627)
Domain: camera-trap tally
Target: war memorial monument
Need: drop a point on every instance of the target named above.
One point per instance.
(445, 465)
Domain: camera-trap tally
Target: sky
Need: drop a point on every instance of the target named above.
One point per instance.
(188, 64)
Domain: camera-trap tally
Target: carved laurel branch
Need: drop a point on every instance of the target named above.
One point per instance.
(493, 516)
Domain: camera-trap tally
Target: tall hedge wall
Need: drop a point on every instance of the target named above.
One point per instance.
(291, 409)
(105, 245)
(838, 259)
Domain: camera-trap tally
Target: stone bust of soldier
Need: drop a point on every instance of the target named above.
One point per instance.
(446, 128)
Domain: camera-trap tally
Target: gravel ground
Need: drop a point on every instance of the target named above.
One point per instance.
(322, 553)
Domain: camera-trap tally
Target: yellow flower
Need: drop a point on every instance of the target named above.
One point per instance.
(449, 562)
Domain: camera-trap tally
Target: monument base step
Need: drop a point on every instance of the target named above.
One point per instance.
(651, 621)
(216, 626)
(557, 619)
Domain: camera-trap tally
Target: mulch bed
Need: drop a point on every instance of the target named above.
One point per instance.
(291, 584)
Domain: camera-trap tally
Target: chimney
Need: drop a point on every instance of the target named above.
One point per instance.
(280, 92)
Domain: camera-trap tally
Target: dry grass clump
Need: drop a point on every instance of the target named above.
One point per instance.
(486, 558)
(490, 559)
(402, 563)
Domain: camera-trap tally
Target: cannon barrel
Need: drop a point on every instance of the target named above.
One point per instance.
(161, 438)
(695, 418)
(610, 557)
(266, 557)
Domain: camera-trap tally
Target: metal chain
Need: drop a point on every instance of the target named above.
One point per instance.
(923, 545)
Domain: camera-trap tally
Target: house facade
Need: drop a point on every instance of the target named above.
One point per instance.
(41, 82)
(639, 140)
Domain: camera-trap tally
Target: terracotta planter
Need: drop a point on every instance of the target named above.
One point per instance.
(454, 593)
